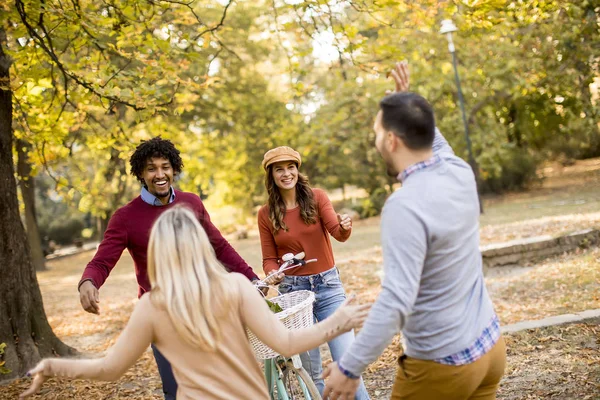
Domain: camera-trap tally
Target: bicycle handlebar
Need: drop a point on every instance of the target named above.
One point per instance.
(290, 262)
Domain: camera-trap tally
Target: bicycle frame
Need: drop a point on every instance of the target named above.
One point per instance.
(274, 367)
(274, 376)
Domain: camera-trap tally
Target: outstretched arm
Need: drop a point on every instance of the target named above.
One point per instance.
(403, 254)
(401, 75)
(130, 345)
(97, 270)
(257, 316)
(338, 226)
(403, 258)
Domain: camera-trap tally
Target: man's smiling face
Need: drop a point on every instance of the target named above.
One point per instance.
(158, 177)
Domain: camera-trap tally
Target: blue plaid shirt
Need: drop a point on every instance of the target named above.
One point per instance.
(484, 343)
(436, 159)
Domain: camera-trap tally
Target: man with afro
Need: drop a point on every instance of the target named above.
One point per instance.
(155, 163)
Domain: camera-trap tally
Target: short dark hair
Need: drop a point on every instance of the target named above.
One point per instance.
(155, 147)
(410, 117)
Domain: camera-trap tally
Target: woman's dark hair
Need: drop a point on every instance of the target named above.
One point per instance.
(154, 148)
(304, 197)
(410, 117)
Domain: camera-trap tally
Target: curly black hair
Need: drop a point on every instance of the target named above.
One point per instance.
(155, 147)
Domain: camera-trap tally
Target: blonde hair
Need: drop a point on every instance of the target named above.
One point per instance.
(186, 277)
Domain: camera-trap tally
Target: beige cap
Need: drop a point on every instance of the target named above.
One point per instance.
(282, 153)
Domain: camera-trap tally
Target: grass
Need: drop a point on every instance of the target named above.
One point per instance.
(561, 285)
(551, 202)
(565, 191)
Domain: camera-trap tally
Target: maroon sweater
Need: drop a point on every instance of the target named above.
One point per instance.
(129, 228)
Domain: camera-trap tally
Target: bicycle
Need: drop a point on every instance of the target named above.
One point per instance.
(286, 378)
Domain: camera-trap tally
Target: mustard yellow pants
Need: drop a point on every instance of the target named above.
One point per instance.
(429, 380)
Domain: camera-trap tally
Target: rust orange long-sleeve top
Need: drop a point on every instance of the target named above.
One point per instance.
(313, 239)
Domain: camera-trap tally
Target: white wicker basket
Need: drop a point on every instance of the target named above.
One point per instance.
(297, 314)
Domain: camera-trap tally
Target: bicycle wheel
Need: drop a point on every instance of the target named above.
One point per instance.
(299, 384)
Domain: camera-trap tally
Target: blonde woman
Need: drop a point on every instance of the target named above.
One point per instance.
(196, 314)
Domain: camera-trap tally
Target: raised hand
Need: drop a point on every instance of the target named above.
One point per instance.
(401, 76)
(345, 221)
(352, 315)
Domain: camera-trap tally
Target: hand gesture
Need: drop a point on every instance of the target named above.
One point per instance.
(38, 379)
(345, 221)
(89, 297)
(401, 76)
(339, 386)
(352, 315)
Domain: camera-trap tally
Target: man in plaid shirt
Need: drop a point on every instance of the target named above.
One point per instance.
(433, 289)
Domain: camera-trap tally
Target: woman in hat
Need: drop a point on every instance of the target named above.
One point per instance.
(298, 218)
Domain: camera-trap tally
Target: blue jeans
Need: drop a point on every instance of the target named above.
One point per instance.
(166, 375)
(329, 295)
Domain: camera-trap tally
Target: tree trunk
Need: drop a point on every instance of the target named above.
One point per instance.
(591, 111)
(27, 184)
(101, 225)
(515, 134)
(23, 324)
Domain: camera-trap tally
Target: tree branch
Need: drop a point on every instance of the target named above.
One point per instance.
(495, 97)
(25, 124)
(287, 55)
(221, 22)
(47, 47)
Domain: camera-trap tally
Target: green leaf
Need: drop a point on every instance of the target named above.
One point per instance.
(274, 307)
(3, 369)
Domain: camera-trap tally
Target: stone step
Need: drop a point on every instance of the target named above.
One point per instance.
(551, 321)
(522, 251)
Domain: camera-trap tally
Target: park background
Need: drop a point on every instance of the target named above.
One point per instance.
(83, 82)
